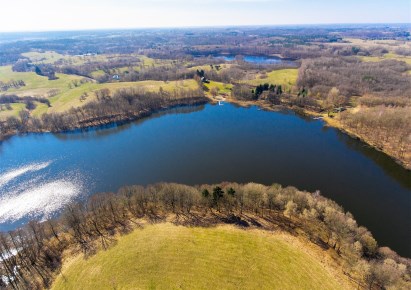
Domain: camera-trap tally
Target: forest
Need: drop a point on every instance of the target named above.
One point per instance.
(32, 256)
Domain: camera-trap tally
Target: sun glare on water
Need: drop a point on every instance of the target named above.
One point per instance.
(26, 192)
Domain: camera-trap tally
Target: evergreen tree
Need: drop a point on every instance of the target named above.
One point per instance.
(231, 191)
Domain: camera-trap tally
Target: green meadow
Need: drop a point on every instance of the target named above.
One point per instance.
(285, 77)
(165, 256)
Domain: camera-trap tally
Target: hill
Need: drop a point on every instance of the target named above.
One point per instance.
(165, 256)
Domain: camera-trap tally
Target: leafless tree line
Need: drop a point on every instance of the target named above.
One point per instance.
(387, 128)
(31, 256)
(121, 105)
(352, 77)
(4, 86)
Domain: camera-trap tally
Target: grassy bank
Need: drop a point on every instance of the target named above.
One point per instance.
(166, 256)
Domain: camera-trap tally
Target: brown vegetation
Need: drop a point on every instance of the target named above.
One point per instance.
(353, 77)
(31, 256)
(386, 128)
(121, 105)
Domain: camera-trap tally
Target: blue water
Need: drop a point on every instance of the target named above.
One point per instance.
(207, 144)
(254, 59)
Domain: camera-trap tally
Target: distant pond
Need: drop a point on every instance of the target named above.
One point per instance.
(40, 173)
(254, 59)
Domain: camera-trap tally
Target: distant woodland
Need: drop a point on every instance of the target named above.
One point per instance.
(357, 76)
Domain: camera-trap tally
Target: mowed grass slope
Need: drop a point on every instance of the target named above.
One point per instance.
(285, 77)
(165, 256)
(35, 84)
(222, 87)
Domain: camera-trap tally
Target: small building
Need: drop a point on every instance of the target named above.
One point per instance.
(339, 110)
(204, 80)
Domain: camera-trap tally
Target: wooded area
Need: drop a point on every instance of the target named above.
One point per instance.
(118, 106)
(31, 256)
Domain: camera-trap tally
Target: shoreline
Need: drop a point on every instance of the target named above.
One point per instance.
(330, 122)
(98, 227)
(115, 119)
(334, 123)
(134, 116)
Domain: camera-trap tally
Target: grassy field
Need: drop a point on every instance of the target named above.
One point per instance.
(222, 87)
(67, 96)
(52, 57)
(49, 57)
(97, 73)
(285, 77)
(165, 256)
(146, 62)
(71, 98)
(16, 108)
(207, 67)
(37, 86)
(407, 59)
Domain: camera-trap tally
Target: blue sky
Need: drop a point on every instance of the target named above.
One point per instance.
(29, 15)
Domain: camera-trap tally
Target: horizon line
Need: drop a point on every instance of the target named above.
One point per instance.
(204, 26)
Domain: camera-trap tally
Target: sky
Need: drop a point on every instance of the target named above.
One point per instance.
(46, 15)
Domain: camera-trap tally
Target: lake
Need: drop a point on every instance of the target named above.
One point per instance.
(40, 173)
(255, 59)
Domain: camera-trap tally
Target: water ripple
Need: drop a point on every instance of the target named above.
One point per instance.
(29, 192)
(12, 174)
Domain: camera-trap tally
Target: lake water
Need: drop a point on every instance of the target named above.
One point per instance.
(256, 59)
(40, 173)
